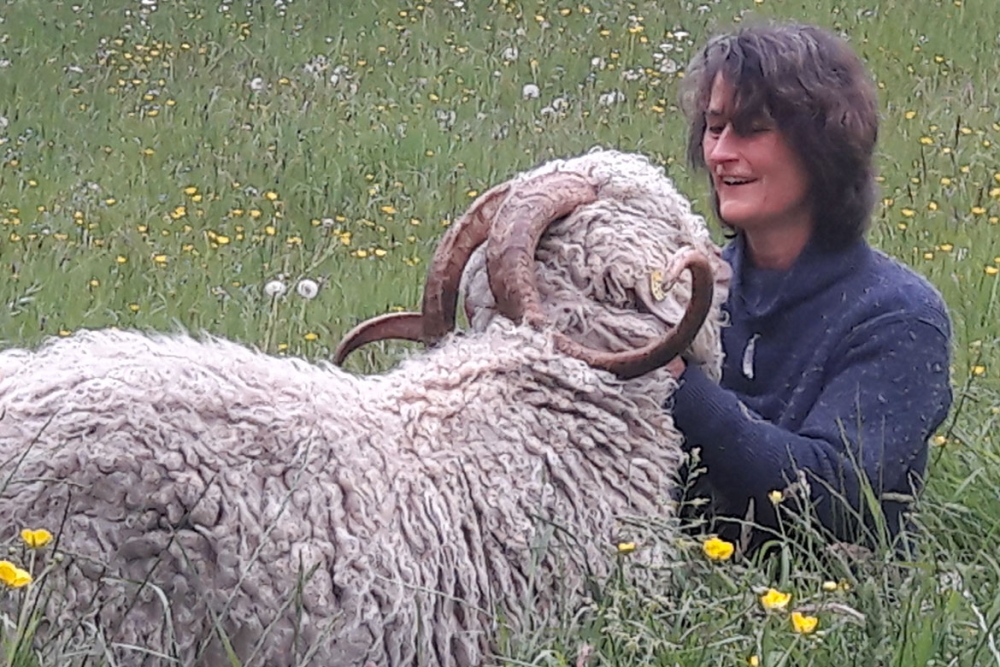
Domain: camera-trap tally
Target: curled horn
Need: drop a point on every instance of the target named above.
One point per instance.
(440, 301)
(510, 257)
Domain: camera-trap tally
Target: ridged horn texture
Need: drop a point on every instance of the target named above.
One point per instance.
(444, 276)
(440, 301)
(517, 228)
(399, 326)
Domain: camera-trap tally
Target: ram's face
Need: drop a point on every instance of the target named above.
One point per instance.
(600, 250)
(589, 268)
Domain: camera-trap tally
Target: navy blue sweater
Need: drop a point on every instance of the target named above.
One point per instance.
(836, 366)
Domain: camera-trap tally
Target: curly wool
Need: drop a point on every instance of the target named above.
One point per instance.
(315, 517)
(589, 263)
(413, 514)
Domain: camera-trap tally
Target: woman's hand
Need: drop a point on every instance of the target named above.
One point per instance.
(676, 367)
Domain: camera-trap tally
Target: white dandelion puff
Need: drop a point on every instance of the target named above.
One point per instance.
(275, 288)
(530, 91)
(307, 289)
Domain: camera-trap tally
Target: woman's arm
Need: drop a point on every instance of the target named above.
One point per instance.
(888, 392)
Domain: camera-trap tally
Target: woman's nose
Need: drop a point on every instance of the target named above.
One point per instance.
(722, 148)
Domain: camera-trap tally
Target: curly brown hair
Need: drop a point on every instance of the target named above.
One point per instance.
(818, 94)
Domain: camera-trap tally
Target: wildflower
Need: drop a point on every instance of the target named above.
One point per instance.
(12, 575)
(979, 370)
(776, 497)
(36, 539)
(389, 209)
(830, 586)
(947, 247)
(275, 288)
(910, 115)
(311, 336)
(190, 190)
(160, 259)
(774, 599)
(530, 91)
(753, 661)
(991, 270)
(271, 195)
(626, 547)
(717, 549)
(307, 289)
(978, 210)
(940, 440)
(804, 624)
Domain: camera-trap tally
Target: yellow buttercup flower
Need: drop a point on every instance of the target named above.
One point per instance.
(12, 575)
(36, 539)
(626, 547)
(774, 599)
(804, 624)
(716, 549)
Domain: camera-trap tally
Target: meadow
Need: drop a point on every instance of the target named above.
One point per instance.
(163, 161)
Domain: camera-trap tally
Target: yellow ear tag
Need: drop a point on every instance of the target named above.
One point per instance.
(656, 285)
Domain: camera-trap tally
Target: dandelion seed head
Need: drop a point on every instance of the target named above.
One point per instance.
(275, 288)
(307, 289)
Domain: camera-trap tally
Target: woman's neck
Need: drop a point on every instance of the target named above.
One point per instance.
(777, 249)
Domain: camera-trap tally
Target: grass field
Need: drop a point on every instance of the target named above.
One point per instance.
(161, 161)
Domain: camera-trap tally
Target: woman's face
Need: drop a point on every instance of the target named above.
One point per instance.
(760, 182)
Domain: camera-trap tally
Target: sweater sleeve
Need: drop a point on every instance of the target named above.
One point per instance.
(889, 390)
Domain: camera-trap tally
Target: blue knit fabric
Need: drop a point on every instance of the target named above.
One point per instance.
(839, 364)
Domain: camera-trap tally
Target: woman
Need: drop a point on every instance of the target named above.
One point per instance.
(837, 357)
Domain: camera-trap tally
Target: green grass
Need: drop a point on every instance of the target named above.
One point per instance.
(334, 141)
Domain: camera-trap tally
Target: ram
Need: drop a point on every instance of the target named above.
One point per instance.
(212, 499)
